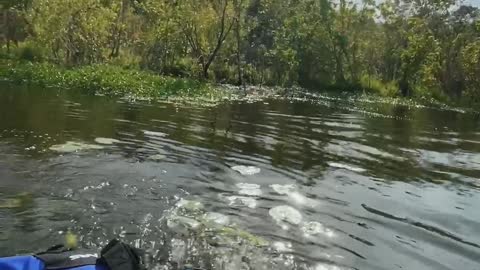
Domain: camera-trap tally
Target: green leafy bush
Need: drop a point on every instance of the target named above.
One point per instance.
(126, 59)
(30, 53)
(372, 84)
(105, 80)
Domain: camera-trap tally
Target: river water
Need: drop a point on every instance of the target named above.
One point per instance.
(329, 183)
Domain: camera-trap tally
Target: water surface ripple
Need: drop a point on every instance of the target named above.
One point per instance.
(329, 184)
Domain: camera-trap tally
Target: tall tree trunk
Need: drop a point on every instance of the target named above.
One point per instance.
(238, 19)
(404, 85)
(118, 32)
(7, 27)
(239, 57)
(224, 31)
(205, 70)
(339, 74)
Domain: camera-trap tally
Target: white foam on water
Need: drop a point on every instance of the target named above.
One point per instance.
(246, 170)
(346, 167)
(71, 146)
(154, 133)
(294, 195)
(179, 250)
(182, 225)
(301, 199)
(249, 189)
(282, 247)
(316, 228)
(285, 213)
(328, 267)
(217, 218)
(283, 189)
(100, 186)
(190, 205)
(106, 141)
(246, 201)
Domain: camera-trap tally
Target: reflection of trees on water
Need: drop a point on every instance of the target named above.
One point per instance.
(288, 136)
(239, 128)
(229, 128)
(410, 133)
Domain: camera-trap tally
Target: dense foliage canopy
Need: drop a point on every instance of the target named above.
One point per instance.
(398, 47)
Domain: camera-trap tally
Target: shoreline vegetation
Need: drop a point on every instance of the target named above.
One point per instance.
(117, 81)
(111, 80)
(108, 80)
(419, 50)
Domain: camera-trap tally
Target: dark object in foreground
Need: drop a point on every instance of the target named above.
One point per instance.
(120, 256)
(115, 256)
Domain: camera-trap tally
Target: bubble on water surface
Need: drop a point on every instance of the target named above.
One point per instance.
(249, 189)
(246, 170)
(285, 213)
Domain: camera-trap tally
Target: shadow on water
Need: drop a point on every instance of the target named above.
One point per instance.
(282, 184)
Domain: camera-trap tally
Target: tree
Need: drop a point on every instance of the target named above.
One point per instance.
(421, 47)
(118, 32)
(238, 6)
(15, 25)
(76, 31)
(206, 25)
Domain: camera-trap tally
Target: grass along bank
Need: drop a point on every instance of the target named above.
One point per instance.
(106, 80)
(133, 84)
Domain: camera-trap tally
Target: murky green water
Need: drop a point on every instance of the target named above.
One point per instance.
(330, 184)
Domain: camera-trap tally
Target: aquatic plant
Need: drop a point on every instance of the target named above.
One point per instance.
(71, 240)
(20, 201)
(189, 218)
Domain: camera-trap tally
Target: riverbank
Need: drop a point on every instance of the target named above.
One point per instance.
(133, 84)
(106, 80)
